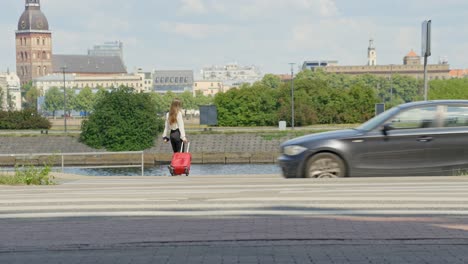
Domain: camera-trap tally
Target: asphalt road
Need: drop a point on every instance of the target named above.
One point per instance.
(236, 219)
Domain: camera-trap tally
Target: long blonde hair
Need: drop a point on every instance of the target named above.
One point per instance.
(176, 106)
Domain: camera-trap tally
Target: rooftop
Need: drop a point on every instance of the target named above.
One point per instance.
(88, 64)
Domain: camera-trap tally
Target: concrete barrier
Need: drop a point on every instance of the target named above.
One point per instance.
(233, 158)
(213, 158)
(264, 157)
(205, 149)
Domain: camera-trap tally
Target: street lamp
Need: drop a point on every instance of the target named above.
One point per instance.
(292, 94)
(64, 99)
(391, 83)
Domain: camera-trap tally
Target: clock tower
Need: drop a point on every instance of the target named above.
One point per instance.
(33, 43)
(371, 54)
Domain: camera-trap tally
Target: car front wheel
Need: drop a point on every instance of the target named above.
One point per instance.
(325, 165)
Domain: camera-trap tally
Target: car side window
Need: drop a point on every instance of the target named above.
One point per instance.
(456, 116)
(420, 117)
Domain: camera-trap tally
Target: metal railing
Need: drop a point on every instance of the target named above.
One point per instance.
(31, 156)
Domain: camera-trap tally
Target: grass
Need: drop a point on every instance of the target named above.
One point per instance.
(460, 172)
(29, 175)
(289, 134)
(266, 132)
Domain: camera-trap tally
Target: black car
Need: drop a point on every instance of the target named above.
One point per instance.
(418, 138)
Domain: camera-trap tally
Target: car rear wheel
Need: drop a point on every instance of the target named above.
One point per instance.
(325, 165)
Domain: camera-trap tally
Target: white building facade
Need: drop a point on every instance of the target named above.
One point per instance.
(176, 81)
(10, 91)
(135, 81)
(232, 72)
(208, 88)
(147, 80)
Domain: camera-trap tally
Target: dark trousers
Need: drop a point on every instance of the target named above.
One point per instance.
(176, 141)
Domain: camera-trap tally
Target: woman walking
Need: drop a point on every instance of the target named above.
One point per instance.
(175, 125)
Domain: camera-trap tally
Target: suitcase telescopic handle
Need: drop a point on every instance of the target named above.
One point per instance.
(182, 147)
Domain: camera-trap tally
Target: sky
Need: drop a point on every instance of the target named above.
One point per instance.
(192, 34)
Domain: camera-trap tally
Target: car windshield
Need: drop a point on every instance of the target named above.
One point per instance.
(378, 119)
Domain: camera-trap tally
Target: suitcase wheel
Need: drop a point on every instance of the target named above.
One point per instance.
(171, 170)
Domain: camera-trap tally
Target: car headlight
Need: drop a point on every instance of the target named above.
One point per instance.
(294, 150)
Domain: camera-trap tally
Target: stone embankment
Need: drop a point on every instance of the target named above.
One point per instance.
(205, 148)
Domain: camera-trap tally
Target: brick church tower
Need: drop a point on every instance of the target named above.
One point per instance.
(33, 43)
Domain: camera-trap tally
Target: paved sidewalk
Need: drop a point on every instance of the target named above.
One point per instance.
(295, 252)
(280, 240)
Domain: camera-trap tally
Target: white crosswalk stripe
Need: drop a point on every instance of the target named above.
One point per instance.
(237, 196)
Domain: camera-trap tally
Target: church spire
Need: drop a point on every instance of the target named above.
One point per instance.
(371, 44)
(33, 3)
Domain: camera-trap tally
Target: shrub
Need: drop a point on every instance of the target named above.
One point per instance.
(29, 175)
(122, 121)
(25, 119)
(32, 175)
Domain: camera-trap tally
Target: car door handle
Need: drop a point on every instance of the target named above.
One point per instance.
(424, 139)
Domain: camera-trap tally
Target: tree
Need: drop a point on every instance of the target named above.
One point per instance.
(405, 89)
(271, 81)
(201, 99)
(101, 93)
(188, 101)
(11, 102)
(2, 93)
(122, 121)
(227, 107)
(159, 103)
(248, 106)
(24, 90)
(362, 102)
(304, 112)
(53, 100)
(71, 100)
(448, 89)
(169, 96)
(84, 100)
(31, 97)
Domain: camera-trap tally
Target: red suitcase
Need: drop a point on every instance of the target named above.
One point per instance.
(180, 163)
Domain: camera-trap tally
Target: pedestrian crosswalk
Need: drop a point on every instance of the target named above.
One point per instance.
(262, 195)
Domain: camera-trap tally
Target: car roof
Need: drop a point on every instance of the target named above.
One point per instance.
(432, 102)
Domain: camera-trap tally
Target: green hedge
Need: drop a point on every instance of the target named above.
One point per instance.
(25, 119)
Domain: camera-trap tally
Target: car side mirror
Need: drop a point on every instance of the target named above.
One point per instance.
(387, 127)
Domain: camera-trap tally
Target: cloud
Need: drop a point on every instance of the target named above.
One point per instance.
(329, 32)
(106, 24)
(328, 8)
(196, 31)
(408, 38)
(192, 7)
(102, 18)
(63, 41)
(7, 47)
(260, 9)
(58, 7)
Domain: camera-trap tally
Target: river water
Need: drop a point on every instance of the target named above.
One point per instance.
(195, 170)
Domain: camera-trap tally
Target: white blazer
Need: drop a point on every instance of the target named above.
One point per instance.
(178, 125)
